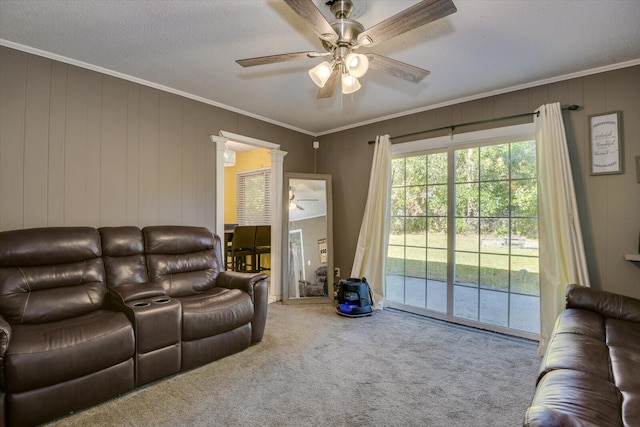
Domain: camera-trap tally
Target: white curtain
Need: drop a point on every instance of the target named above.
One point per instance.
(371, 252)
(562, 258)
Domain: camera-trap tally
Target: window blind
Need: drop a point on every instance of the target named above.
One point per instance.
(253, 200)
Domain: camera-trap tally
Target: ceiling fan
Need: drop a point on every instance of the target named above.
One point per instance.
(294, 205)
(342, 37)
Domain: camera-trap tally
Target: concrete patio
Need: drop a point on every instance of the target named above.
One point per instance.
(492, 307)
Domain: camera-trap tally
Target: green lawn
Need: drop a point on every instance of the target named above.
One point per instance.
(487, 265)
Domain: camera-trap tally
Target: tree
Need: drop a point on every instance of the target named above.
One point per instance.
(491, 182)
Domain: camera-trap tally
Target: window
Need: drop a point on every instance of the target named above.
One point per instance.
(463, 243)
(254, 197)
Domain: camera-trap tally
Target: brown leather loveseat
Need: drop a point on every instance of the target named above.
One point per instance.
(590, 373)
(88, 314)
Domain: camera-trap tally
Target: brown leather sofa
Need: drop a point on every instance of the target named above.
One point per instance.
(88, 314)
(590, 373)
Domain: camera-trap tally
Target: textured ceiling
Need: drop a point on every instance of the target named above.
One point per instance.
(190, 47)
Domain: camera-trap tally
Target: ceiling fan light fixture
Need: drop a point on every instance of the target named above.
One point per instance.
(357, 64)
(321, 73)
(350, 84)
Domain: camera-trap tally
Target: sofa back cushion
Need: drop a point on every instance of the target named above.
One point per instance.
(123, 255)
(183, 260)
(606, 303)
(49, 274)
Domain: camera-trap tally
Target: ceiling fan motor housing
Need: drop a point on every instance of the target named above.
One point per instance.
(347, 29)
(341, 8)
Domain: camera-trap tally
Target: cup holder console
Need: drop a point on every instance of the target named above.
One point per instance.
(157, 354)
(147, 303)
(140, 304)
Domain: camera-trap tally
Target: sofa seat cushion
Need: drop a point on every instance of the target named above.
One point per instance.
(572, 398)
(50, 353)
(214, 312)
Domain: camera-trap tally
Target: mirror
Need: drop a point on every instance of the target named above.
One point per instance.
(308, 257)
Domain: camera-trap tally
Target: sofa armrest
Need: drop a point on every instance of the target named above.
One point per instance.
(5, 338)
(238, 280)
(603, 302)
(544, 416)
(126, 292)
(255, 284)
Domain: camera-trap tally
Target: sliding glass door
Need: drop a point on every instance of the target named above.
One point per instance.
(417, 254)
(496, 236)
(464, 235)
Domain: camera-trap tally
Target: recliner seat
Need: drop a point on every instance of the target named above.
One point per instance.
(86, 314)
(60, 342)
(216, 320)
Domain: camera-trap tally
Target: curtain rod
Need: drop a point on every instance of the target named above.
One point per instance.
(572, 107)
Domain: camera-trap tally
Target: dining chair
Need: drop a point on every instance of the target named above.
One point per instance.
(262, 244)
(242, 247)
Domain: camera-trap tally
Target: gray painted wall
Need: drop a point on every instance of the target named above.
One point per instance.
(609, 205)
(82, 148)
(79, 147)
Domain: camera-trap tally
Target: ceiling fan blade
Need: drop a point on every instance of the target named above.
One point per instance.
(272, 59)
(308, 11)
(413, 17)
(330, 86)
(395, 68)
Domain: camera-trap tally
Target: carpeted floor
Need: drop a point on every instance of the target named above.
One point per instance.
(315, 368)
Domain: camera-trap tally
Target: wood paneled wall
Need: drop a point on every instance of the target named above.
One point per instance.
(609, 206)
(79, 147)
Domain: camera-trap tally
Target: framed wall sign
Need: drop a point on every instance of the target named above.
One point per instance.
(322, 247)
(605, 143)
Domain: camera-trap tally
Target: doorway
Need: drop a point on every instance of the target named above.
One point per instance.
(463, 243)
(277, 159)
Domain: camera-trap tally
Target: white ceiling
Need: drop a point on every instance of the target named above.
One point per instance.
(190, 47)
(310, 195)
